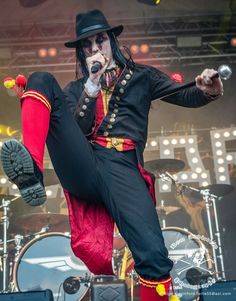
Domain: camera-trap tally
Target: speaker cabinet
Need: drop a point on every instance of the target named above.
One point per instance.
(28, 296)
(108, 289)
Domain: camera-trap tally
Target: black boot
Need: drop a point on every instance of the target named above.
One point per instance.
(22, 170)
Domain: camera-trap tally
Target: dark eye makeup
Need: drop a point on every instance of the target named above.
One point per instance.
(100, 39)
(86, 43)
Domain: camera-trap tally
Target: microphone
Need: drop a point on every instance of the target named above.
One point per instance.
(195, 277)
(96, 67)
(224, 72)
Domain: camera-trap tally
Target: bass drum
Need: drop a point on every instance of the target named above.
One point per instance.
(187, 252)
(45, 263)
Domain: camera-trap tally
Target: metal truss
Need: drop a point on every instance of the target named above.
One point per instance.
(21, 42)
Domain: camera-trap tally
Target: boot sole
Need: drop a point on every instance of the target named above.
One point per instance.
(19, 167)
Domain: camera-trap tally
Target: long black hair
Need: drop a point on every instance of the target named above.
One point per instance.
(118, 56)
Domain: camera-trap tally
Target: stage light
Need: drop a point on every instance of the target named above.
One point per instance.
(229, 157)
(219, 152)
(174, 141)
(192, 150)
(190, 144)
(182, 141)
(220, 161)
(165, 187)
(204, 175)
(153, 143)
(194, 176)
(42, 52)
(1, 143)
(222, 178)
(205, 184)
(221, 169)
(166, 142)
(198, 170)
(52, 52)
(150, 2)
(166, 152)
(219, 149)
(144, 48)
(48, 192)
(14, 187)
(226, 134)
(184, 176)
(177, 77)
(195, 160)
(3, 180)
(190, 140)
(233, 42)
(134, 49)
(234, 133)
(217, 135)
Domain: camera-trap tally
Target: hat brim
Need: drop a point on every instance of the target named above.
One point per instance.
(116, 30)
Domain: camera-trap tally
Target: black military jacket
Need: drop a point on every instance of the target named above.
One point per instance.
(129, 105)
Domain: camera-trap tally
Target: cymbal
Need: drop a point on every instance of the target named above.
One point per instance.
(219, 190)
(161, 165)
(50, 177)
(34, 222)
(166, 209)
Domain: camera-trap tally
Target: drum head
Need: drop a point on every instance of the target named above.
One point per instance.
(189, 255)
(45, 263)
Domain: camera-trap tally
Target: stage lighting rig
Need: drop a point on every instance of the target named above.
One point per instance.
(150, 2)
(31, 3)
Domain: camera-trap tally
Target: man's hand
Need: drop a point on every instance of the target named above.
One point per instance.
(209, 85)
(97, 57)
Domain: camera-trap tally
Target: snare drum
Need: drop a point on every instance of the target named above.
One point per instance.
(45, 263)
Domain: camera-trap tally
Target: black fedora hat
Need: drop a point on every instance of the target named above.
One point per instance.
(89, 24)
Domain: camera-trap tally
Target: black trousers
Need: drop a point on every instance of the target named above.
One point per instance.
(92, 172)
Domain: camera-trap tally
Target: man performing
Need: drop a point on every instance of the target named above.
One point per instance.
(96, 131)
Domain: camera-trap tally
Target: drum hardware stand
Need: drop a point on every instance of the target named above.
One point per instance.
(166, 178)
(5, 206)
(209, 201)
(133, 276)
(18, 240)
(163, 215)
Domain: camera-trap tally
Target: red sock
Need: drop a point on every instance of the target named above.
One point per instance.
(148, 290)
(35, 124)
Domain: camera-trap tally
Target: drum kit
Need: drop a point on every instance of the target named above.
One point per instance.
(37, 253)
(198, 259)
(35, 249)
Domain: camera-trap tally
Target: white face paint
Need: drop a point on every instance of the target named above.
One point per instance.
(98, 43)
